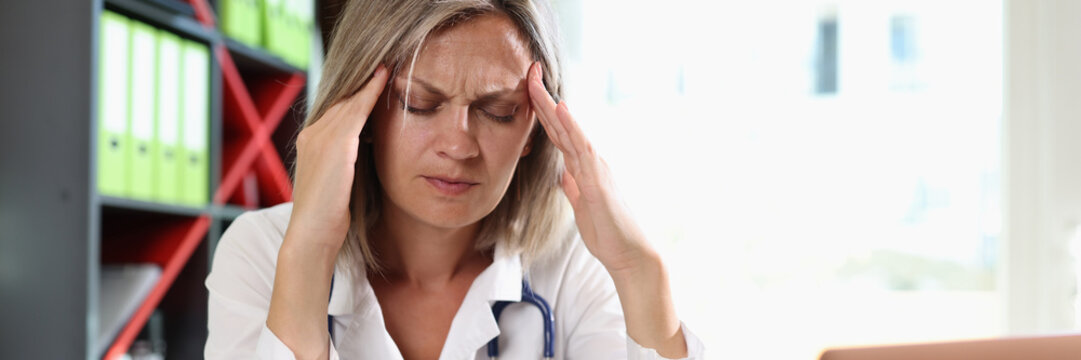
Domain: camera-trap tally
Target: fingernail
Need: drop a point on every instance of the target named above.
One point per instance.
(380, 70)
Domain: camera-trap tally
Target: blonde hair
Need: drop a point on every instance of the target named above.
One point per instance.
(532, 213)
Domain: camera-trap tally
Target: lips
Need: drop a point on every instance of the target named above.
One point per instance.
(450, 186)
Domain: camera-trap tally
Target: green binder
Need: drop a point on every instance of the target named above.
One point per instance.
(195, 116)
(253, 16)
(285, 46)
(167, 168)
(143, 72)
(294, 30)
(113, 138)
(275, 32)
(294, 46)
(307, 28)
(241, 20)
(232, 19)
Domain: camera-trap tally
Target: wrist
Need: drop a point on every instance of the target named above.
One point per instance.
(645, 263)
(298, 305)
(308, 249)
(648, 309)
(308, 236)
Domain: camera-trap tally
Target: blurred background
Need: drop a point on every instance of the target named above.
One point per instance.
(816, 173)
(831, 173)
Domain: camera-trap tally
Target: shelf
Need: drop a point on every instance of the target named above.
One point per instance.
(255, 91)
(70, 232)
(253, 109)
(170, 209)
(252, 59)
(133, 236)
(153, 14)
(216, 211)
(179, 7)
(137, 236)
(227, 212)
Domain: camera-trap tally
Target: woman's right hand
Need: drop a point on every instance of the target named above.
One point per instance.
(326, 156)
(326, 159)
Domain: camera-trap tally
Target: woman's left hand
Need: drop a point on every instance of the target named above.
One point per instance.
(607, 229)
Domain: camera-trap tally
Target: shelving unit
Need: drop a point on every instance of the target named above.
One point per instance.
(49, 287)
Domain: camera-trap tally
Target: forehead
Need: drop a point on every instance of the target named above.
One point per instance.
(483, 53)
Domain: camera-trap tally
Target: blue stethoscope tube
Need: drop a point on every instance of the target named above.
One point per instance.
(528, 296)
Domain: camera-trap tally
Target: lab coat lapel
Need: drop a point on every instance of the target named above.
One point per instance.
(346, 298)
(474, 325)
(363, 333)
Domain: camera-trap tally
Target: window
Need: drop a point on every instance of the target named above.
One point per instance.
(854, 218)
(826, 56)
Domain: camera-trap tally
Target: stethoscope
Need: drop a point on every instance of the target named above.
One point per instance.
(528, 296)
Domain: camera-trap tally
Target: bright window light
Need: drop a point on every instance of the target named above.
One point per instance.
(817, 173)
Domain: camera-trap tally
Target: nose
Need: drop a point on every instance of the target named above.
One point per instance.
(456, 138)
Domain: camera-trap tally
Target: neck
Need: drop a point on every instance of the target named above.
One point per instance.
(423, 255)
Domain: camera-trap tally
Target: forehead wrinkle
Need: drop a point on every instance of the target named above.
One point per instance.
(489, 90)
(474, 60)
(475, 85)
(494, 85)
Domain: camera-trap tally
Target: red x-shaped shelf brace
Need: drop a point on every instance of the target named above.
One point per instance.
(255, 112)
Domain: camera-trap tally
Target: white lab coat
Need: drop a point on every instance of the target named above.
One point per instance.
(588, 319)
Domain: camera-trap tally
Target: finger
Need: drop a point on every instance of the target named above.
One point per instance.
(544, 105)
(538, 94)
(562, 132)
(360, 104)
(541, 101)
(574, 134)
(576, 138)
(545, 108)
(581, 216)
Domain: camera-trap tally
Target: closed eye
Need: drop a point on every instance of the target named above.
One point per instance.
(498, 118)
(413, 110)
(419, 110)
(500, 113)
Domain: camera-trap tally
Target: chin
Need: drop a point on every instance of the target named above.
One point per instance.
(446, 214)
(450, 217)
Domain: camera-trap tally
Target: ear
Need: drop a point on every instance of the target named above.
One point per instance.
(529, 142)
(528, 147)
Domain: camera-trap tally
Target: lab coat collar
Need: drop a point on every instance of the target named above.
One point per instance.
(347, 297)
(506, 276)
(353, 303)
(474, 324)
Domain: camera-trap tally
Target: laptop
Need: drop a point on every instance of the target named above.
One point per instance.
(1053, 347)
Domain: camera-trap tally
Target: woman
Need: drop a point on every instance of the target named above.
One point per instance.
(429, 190)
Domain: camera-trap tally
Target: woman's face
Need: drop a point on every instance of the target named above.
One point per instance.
(445, 153)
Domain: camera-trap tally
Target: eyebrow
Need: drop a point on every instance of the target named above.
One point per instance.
(488, 96)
